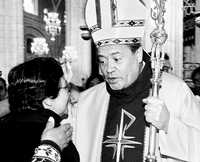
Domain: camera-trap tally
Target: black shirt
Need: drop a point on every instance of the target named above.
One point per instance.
(20, 134)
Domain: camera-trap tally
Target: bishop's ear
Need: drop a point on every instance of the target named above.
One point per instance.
(139, 54)
(48, 103)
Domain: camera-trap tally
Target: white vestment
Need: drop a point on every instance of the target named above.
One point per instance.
(181, 142)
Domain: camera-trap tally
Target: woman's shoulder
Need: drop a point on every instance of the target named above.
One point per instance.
(21, 128)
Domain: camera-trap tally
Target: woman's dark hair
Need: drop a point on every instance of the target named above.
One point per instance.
(32, 81)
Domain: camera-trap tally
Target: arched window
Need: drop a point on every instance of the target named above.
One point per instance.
(31, 6)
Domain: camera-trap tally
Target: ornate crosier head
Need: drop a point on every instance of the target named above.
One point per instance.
(69, 56)
(158, 36)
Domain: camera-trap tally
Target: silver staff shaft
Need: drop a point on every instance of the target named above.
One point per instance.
(151, 156)
(158, 37)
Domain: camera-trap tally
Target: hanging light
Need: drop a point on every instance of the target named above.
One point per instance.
(53, 23)
(39, 46)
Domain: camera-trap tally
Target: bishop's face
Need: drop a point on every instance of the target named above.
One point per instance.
(119, 65)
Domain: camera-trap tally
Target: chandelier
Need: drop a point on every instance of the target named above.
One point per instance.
(39, 46)
(53, 23)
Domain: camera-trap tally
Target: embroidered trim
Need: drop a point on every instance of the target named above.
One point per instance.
(125, 142)
(94, 28)
(134, 41)
(46, 153)
(129, 23)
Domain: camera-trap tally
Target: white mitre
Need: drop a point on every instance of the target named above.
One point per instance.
(117, 21)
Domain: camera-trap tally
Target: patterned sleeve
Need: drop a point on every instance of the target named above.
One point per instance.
(47, 151)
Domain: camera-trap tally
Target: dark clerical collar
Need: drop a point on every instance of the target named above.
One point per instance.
(141, 83)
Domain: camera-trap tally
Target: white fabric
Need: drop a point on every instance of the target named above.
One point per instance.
(180, 142)
(111, 19)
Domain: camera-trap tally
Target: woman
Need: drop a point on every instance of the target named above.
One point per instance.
(36, 91)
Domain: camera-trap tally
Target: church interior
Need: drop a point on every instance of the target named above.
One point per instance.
(61, 23)
(139, 112)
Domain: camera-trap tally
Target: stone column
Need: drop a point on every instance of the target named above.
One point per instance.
(75, 18)
(11, 34)
(174, 28)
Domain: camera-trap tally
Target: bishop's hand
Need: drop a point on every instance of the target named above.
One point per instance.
(156, 113)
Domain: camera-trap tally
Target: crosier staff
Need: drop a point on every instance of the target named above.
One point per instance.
(69, 56)
(158, 38)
